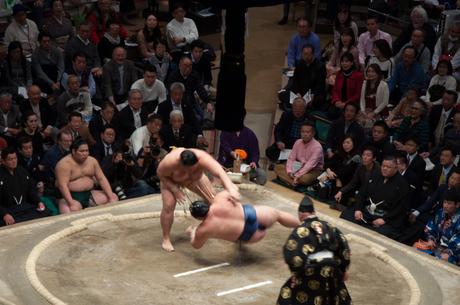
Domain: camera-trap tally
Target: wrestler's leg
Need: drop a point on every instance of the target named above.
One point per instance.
(267, 216)
(167, 216)
(64, 207)
(99, 197)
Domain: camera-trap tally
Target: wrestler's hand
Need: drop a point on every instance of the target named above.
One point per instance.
(378, 222)
(180, 197)
(8, 219)
(358, 215)
(113, 198)
(41, 207)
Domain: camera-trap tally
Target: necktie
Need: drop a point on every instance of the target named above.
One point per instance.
(176, 134)
(442, 177)
(107, 151)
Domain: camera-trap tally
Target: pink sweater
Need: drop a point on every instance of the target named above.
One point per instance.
(309, 154)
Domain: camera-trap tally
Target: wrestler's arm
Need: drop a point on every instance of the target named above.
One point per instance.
(164, 175)
(198, 236)
(211, 165)
(63, 178)
(103, 182)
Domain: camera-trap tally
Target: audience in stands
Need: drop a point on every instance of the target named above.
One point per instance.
(10, 119)
(303, 37)
(79, 68)
(149, 36)
(403, 109)
(22, 30)
(382, 58)
(423, 52)
(177, 133)
(441, 117)
(153, 90)
(110, 41)
(415, 125)
(102, 12)
(447, 48)
(366, 40)
(380, 141)
(58, 26)
(344, 21)
(160, 60)
(346, 44)
(18, 68)
(441, 81)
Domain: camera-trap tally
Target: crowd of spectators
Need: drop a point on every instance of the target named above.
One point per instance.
(389, 160)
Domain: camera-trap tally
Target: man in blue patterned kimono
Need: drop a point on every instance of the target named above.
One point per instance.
(443, 231)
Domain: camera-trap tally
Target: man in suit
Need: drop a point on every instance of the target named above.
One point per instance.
(441, 117)
(132, 116)
(176, 102)
(413, 180)
(40, 106)
(176, 133)
(201, 62)
(118, 76)
(77, 129)
(380, 141)
(105, 145)
(415, 163)
(101, 119)
(345, 125)
(442, 171)
(10, 118)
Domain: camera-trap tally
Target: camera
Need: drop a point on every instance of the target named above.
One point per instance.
(127, 157)
(155, 149)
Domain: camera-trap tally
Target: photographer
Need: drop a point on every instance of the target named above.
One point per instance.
(125, 175)
(148, 159)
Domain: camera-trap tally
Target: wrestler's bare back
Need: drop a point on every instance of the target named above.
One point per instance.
(225, 220)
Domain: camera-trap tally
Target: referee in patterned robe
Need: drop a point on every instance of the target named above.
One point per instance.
(318, 256)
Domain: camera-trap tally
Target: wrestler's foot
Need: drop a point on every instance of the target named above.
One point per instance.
(167, 246)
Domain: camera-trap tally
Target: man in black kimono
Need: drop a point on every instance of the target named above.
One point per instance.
(382, 205)
(318, 256)
(19, 199)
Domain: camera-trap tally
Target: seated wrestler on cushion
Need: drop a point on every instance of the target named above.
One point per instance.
(233, 221)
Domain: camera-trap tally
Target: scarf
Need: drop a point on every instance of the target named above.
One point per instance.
(346, 75)
(111, 39)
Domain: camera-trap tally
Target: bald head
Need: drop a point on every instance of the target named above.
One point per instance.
(34, 94)
(119, 55)
(185, 66)
(298, 107)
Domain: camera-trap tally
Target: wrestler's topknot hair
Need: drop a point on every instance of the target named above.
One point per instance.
(79, 141)
(199, 209)
(188, 158)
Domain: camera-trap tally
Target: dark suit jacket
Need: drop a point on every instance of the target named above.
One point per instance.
(165, 108)
(124, 120)
(111, 77)
(192, 83)
(435, 116)
(435, 174)
(83, 133)
(13, 119)
(283, 128)
(47, 113)
(96, 125)
(98, 150)
(337, 132)
(415, 183)
(417, 166)
(186, 139)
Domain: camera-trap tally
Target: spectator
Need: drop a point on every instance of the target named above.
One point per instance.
(414, 125)
(347, 88)
(58, 26)
(380, 141)
(382, 204)
(361, 177)
(382, 57)
(286, 4)
(153, 90)
(374, 97)
(132, 116)
(23, 30)
(345, 125)
(18, 193)
(160, 60)
(82, 44)
(141, 137)
(403, 108)
(309, 75)
(56, 153)
(346, 44)
(246, 140)
(98, 17)
(287, 130)
(48, 65)
(102, 119)
(441, 117)
(440, 82)
(343, 21)
(297, 43)
(419, 21)
(110, 41)
(149, 36)
(176, 133)
(340, 168)
(452, 136)
(191, 81)
(414, 181)
(118, 76)
(29, 160)
(423, 52)
(10, 118)
(80, 68)
(447, 48)
(105, 145)
(441, 232)
(201, 62)
(32, 130)
(442, 171)
(46, 114)
(18, 68)
(366, 40)
(78, 129)
(415, 162)
(305, 162)
(74, 99)
(408, 73)
(180, 32)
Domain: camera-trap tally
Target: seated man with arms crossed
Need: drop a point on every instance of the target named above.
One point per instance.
(75, 175)
(185, 168)
(233, 221)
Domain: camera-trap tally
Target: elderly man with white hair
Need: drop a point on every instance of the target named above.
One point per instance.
(447, 48)
(177, 133)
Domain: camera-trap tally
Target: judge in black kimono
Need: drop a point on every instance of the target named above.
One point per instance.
(383, 204)
(318, 257)
(19, 199)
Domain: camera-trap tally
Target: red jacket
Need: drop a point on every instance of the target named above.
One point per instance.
(98, 28)
(354, 85)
